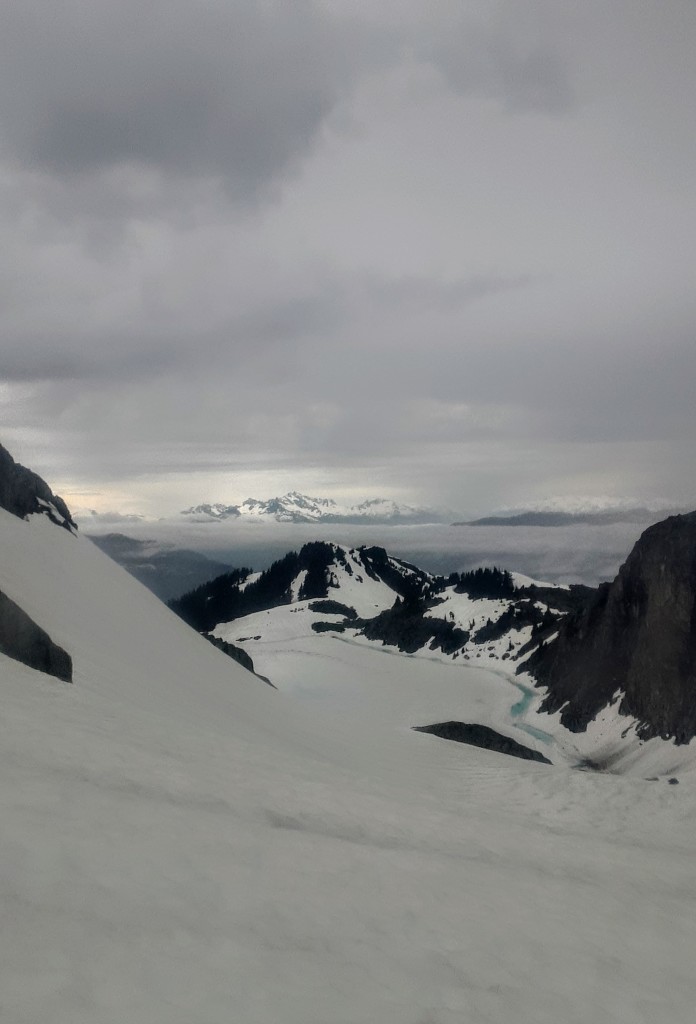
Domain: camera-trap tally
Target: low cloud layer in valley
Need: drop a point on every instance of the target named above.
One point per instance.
(570, 554)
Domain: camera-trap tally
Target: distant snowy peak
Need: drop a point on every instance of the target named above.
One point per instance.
(211, 511)
(294, 507)
(591, 504)
(597, 511)
(386, 509)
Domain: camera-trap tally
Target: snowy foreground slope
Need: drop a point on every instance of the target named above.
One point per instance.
(180, 843)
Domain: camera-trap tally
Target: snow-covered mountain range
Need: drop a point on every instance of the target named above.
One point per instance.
(182, 843)
(294, 507)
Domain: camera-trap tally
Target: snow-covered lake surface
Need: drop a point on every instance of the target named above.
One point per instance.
(180, 843)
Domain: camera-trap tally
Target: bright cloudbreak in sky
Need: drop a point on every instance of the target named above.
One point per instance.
(431, 250)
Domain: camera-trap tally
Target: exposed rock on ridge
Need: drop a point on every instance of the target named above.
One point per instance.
(23, 640)
(635, 642)
(237, 654)
(23, 493)
(482, 736)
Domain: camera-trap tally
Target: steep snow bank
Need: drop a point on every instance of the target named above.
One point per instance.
(181, 843)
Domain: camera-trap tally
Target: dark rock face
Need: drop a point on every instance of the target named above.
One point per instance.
(482, 736)
(23, 493)
(636, 641)
(23, 640)
(237, 654)
(329, 607)
(406, 626)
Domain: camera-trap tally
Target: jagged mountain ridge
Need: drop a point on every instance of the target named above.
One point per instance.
(294, 507)
(485, 614)
(634, 644)
(318, 569)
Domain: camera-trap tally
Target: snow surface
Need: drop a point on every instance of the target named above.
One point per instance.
(519, 581)
(181, 843)
(284, 648)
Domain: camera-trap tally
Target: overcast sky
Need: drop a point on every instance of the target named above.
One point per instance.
(441, 250)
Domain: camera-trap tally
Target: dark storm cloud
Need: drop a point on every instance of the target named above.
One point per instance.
(233, 91)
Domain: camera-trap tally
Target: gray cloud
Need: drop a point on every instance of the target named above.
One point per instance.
(231, 91)
(137, 349)
(371, 246)
(493, 62)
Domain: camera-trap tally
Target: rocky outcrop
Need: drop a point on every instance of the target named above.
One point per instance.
(237, 654)
(634, 643)
(23, 640)
(407, 627)
(23, 493)
(482, 736)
